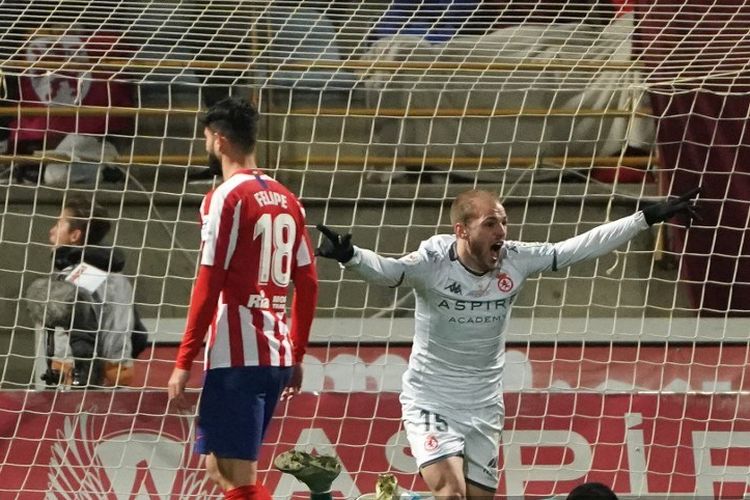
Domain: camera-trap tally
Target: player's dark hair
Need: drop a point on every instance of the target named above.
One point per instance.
(89, 217)
(463, 208)
(235, 119)
(591, 490)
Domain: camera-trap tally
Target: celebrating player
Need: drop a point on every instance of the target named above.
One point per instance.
(254, 242)
(465, 285)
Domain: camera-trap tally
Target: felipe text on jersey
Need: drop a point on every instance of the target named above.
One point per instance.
(270, 198)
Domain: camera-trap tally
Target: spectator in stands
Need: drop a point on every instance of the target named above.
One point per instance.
(592, 490)
(300, 32)
(434, 20)
(93, 330)
(83, 139)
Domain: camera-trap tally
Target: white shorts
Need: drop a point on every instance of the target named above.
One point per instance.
(473, 434)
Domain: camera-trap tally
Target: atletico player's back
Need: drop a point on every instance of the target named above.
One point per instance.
(253, 245)
(254, 229)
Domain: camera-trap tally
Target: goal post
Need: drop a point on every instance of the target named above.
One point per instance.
(631, 370)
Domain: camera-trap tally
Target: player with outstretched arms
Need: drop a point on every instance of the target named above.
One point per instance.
(254, 244)
(465, 285)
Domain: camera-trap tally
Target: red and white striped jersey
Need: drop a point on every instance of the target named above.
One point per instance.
(254, 244)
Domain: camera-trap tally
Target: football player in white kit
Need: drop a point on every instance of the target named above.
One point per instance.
(465, 284)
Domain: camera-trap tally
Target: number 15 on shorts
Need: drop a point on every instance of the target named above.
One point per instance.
(433, 421)
(430, 435)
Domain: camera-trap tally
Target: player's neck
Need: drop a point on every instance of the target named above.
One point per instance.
(231, 166)
(468, 262)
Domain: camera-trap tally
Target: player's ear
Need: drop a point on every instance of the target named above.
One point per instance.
(220, 144)
(459, 229)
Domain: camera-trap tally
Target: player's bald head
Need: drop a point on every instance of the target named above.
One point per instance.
(466, 205)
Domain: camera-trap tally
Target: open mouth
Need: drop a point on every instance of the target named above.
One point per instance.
(495, 250)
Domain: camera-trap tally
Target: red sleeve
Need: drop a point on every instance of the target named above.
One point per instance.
(304, 301)
(202, 310)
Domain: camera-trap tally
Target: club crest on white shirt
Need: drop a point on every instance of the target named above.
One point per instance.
(504, 282)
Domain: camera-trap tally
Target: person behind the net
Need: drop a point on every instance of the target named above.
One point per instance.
(254, 244)
(106, 334)
(465, 284)
(591, 491)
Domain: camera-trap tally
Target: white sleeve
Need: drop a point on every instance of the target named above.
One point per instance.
(410, 270)
(220, 230)
(592, 244)
(599, 241)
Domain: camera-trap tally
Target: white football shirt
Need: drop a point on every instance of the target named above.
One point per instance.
(458, 352)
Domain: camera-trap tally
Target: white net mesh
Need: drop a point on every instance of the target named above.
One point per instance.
(631, 370)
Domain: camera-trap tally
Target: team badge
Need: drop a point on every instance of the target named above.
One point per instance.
(430, 443)
(504, 283)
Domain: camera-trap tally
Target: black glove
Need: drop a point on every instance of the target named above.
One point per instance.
(335, 246)
(659, 212)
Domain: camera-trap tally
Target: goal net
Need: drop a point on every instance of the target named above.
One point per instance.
(631, 370)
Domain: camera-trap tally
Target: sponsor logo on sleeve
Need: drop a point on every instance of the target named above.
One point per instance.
(411, 258)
